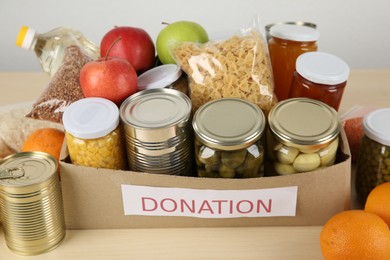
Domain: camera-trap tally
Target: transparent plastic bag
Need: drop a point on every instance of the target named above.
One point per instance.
(235, 67)
(63, 89)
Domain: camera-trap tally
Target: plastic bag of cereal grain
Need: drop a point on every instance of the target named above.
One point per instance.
(63, 89)
(235, 67)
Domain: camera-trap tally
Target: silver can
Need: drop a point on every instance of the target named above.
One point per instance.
(31, 203)
(157, 131)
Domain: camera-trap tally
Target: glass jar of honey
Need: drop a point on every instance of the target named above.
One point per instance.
(93, 134)
(286, 44)
(321, 76)
(373, 166)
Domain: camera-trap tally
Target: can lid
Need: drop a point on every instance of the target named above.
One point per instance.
(159, 77)
(155, 108)
(376, 125)
(90, 118)
(229, 123)
(26, 169)
(322, 68)
(304, 121)
(25, 37)
(294, 32)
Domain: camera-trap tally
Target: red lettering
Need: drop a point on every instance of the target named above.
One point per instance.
(260, 204)
(163, 205)
(184, 204)
(219, 203)
(205, 207)
(152, 201)
(239, 209)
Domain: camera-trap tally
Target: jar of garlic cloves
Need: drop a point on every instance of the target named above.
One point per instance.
(303, 136)
(94, 135)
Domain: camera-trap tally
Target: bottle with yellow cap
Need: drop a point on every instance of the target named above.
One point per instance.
(50, 47)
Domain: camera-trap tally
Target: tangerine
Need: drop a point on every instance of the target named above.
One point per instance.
(48, 140)
(378, 201)
(355, 234)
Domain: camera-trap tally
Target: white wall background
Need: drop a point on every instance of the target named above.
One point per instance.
(356, 30)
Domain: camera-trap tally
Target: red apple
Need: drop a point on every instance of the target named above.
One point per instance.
(110, 77)
(136, 46)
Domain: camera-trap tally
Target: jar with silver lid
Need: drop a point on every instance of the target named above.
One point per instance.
(303, 136)
(228, 139)
(373, 166)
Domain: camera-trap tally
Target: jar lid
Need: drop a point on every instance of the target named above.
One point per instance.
(155, 108)
(376, 126)
(304, 122)
(322, 68)
(293, 32)
(159, 77)
(25, 37)
(228, 123)
(90, 118)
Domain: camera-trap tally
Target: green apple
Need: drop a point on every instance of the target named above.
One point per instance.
(175, 33)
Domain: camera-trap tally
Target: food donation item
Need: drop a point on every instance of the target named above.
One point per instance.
(373, 166)
(229, 140)
(303, 135)
(286, 44)
(93, 134)
(321, 76)
(157, 131)
(238, 67)
(50, 47)
(31, 203)
(164, 76)
(64, 88)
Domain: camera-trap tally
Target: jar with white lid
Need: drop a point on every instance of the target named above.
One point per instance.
(373, 166)
(321, 76)
(93, 134)
(164, 76)
(287, 42)
(228, 139)
(303, 136)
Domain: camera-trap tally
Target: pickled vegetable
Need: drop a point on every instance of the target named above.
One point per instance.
(241, 163)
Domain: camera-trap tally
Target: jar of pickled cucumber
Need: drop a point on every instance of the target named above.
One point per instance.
(93, 134)
(373, 166)
(303, 136)
(228, 139)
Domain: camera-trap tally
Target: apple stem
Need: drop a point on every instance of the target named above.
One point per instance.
(112, 45)
(165, 23)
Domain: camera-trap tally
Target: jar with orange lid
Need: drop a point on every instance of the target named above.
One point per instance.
(321, 76)
(286, 44)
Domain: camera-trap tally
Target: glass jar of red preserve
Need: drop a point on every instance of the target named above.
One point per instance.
(321, 76)
(286, 44)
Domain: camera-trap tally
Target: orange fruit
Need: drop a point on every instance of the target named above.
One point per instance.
(355, 234)
(378, 201)
(48, 140)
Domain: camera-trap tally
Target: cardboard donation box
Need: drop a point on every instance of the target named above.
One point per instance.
(108, 199)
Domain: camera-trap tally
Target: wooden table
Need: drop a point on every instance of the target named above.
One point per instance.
(365, 87)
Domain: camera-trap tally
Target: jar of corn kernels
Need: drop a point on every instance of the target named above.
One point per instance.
(93, 134)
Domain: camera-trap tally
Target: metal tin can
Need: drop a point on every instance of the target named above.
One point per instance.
(373, 166)
(157, 131)
(31, 203)
(303, 136)
(229, 140)
(94, 135)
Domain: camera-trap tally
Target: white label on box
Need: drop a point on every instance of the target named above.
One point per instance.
(157, 201)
